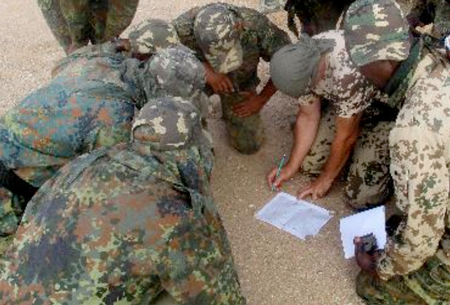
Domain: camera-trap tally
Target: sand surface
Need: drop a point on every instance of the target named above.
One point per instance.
(274, 267)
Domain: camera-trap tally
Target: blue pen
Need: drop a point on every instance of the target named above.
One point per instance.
(279, 170)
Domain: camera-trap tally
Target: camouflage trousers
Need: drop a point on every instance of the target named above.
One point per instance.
(76, 22)
(246, 135)
(428, 285)
(367, 178)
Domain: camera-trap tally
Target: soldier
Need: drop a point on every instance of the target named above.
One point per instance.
(89, 104)
(333, 96)
(75, 23)
(414, 268)
(137, 218)
(230, 41)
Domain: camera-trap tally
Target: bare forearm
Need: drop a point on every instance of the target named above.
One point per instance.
(304, 135)
(345, 138)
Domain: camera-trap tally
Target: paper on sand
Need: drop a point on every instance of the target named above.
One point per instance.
(298, 217)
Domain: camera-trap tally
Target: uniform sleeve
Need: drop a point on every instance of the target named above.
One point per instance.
(421, 182)
(184, 25)
(272, 38)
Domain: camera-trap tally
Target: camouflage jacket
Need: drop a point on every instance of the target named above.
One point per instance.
(260, 39)
(87, 105)
(119, 224)
(343, 85)
(420, 167)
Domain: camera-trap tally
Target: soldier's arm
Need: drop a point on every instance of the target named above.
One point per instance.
(347, 130)
(421, 181)
(305, 132)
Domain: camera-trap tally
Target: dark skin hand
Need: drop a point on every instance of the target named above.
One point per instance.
(219, 82)
(253, 102)
(366, 261)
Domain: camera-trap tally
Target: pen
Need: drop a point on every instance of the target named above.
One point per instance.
(279, 170)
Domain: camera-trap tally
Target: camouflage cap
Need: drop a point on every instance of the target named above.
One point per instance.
(216, 31)
(376, 30)
(177, 72)
(152, 35)
(167, 123)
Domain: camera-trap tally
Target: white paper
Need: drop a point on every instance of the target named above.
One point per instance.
(298, 217)
(370, 221)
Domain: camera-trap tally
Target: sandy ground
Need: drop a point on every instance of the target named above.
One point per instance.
(274, 267)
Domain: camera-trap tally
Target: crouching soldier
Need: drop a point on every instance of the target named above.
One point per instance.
(89, 104)
(230, 41)
(137, 218)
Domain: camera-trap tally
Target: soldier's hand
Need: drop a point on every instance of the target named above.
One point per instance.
(286, 173)
(219, 82)
(366, 261)
(316, 189)
(251, 105)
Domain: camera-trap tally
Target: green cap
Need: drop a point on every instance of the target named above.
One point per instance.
(376, 30)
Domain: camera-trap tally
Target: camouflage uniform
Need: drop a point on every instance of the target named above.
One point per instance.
(415, 266)
(76, 22)
(89, 104)
(348, 93)
(136, 218)
(259, 39)
(432, 11)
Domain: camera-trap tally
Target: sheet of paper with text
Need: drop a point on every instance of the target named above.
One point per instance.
(298, 217)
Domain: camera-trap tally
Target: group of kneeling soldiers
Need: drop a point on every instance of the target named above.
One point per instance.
(102, 206)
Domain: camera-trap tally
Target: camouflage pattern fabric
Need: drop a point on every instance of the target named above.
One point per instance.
(178, 73)
(260, 38)
(84, 107)
(269, 6)
(427, 285)
(432, 11)
(420, 159)
(343, 85)
(216, 31)
(137, 219)
(367, 179)
(391, 40)
(75, 23)
(90, 103)
(293, 67)
(152, 35)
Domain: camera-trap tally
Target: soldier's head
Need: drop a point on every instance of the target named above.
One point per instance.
(176, 72)
(377, 38)
(296, 67)
(171, 127)
(151, 35)
(217, 31)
